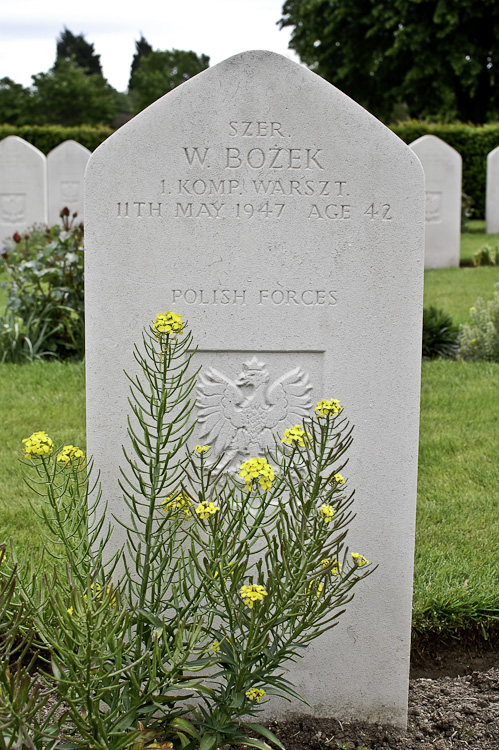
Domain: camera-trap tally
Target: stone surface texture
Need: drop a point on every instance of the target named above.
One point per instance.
(23, 186)
(287, 225)
(66, 166)
(442, 167)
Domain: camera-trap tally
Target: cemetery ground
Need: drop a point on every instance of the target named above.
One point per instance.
(456, 584)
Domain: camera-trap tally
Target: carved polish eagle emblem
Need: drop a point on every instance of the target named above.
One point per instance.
(238, 416)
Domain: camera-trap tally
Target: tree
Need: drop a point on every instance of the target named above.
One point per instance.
(142, 49)
(159, 72)
(67, 95)
(437, 56)
(77, 49)
(14, 102)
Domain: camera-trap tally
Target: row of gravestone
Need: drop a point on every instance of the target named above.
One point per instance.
(443, 175)
(34, 187)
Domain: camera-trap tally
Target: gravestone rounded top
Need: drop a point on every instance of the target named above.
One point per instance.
(72, 148)
(16, 145)
(493, 155)
(429, 145)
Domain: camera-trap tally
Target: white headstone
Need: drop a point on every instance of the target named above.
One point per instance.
(23, 186)
(492, 192)
(66, 166)
(442, 166)
(286, 224)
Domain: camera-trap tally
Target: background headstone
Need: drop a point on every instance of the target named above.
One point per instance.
(286, 224)
(492, 192)
(23, 186)
(66, 166)
(443, 177)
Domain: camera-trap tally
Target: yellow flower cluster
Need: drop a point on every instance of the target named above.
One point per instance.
(178, 500)
(96, 590)
(38, 444)
(317, 587)
(255, 694)
(328, 408)
(327, 512)
(257, 468)
(359, 559)
(338, 479)
(253, 593)
(295, 434)
(330, 561)
(70, 453)
(215, 647)
(205, 510)
(202, 448)
(168, 322)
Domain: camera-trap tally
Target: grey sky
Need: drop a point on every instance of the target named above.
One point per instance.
(218, 28)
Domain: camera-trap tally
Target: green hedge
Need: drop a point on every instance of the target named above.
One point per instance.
(47, 137)
(472, 142)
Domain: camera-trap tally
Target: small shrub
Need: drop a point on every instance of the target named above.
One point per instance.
(486, 256)
(45, 306)
(225, 577)
(479, 339)
(440, 335)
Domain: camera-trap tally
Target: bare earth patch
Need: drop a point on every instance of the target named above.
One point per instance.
(447, 713)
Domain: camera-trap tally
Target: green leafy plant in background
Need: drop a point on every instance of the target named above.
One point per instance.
(479, 339)
(486, 256)
(440, 335)
(45, 307)
(180, 635)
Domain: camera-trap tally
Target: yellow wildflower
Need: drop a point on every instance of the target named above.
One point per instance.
(70, 611)
(336, 567)
(178, 500)
(70, 453)
(97, 590)
(255, 694)
(202, 448)
(257, 468)
(168, 323)
(252, 594)
(327, 512)
(205, 510)
(338, 479)
(317, 587)
(328, 408)
(38, 444)
(215, 647)
(295, 434)
(359, 559)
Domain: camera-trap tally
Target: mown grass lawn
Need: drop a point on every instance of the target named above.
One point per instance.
(456, 578)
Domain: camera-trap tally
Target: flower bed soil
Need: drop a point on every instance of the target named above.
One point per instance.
(453, 704)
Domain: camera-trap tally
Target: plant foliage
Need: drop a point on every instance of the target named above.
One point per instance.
(440, 335)
(181, 634)
(479, 339)
(383, 54)
(45, 306)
